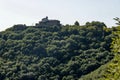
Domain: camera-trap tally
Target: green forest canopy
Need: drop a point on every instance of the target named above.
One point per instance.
(54, 52)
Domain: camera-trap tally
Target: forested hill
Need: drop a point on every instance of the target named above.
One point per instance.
(52, 51)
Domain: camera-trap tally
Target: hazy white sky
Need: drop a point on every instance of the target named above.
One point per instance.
(67, 11)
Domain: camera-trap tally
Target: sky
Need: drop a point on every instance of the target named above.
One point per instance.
(30, 12)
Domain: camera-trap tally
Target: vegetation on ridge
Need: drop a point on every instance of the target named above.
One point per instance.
(111, 70)
(53, 52)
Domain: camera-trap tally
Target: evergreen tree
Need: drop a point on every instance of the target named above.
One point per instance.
(76, 23)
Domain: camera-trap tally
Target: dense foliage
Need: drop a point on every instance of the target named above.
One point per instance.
(53, 52)
(111, 70)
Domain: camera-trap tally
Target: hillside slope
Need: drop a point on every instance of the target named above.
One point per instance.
(111, 70)
(53, 52)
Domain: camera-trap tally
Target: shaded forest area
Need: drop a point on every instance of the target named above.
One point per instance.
(54, 52)
(111, 70)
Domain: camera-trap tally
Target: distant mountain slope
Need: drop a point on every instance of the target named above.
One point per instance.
(53, 52)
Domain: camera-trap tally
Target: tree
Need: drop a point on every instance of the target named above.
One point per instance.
(76, 23)
(116, 41)
(118, 20)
